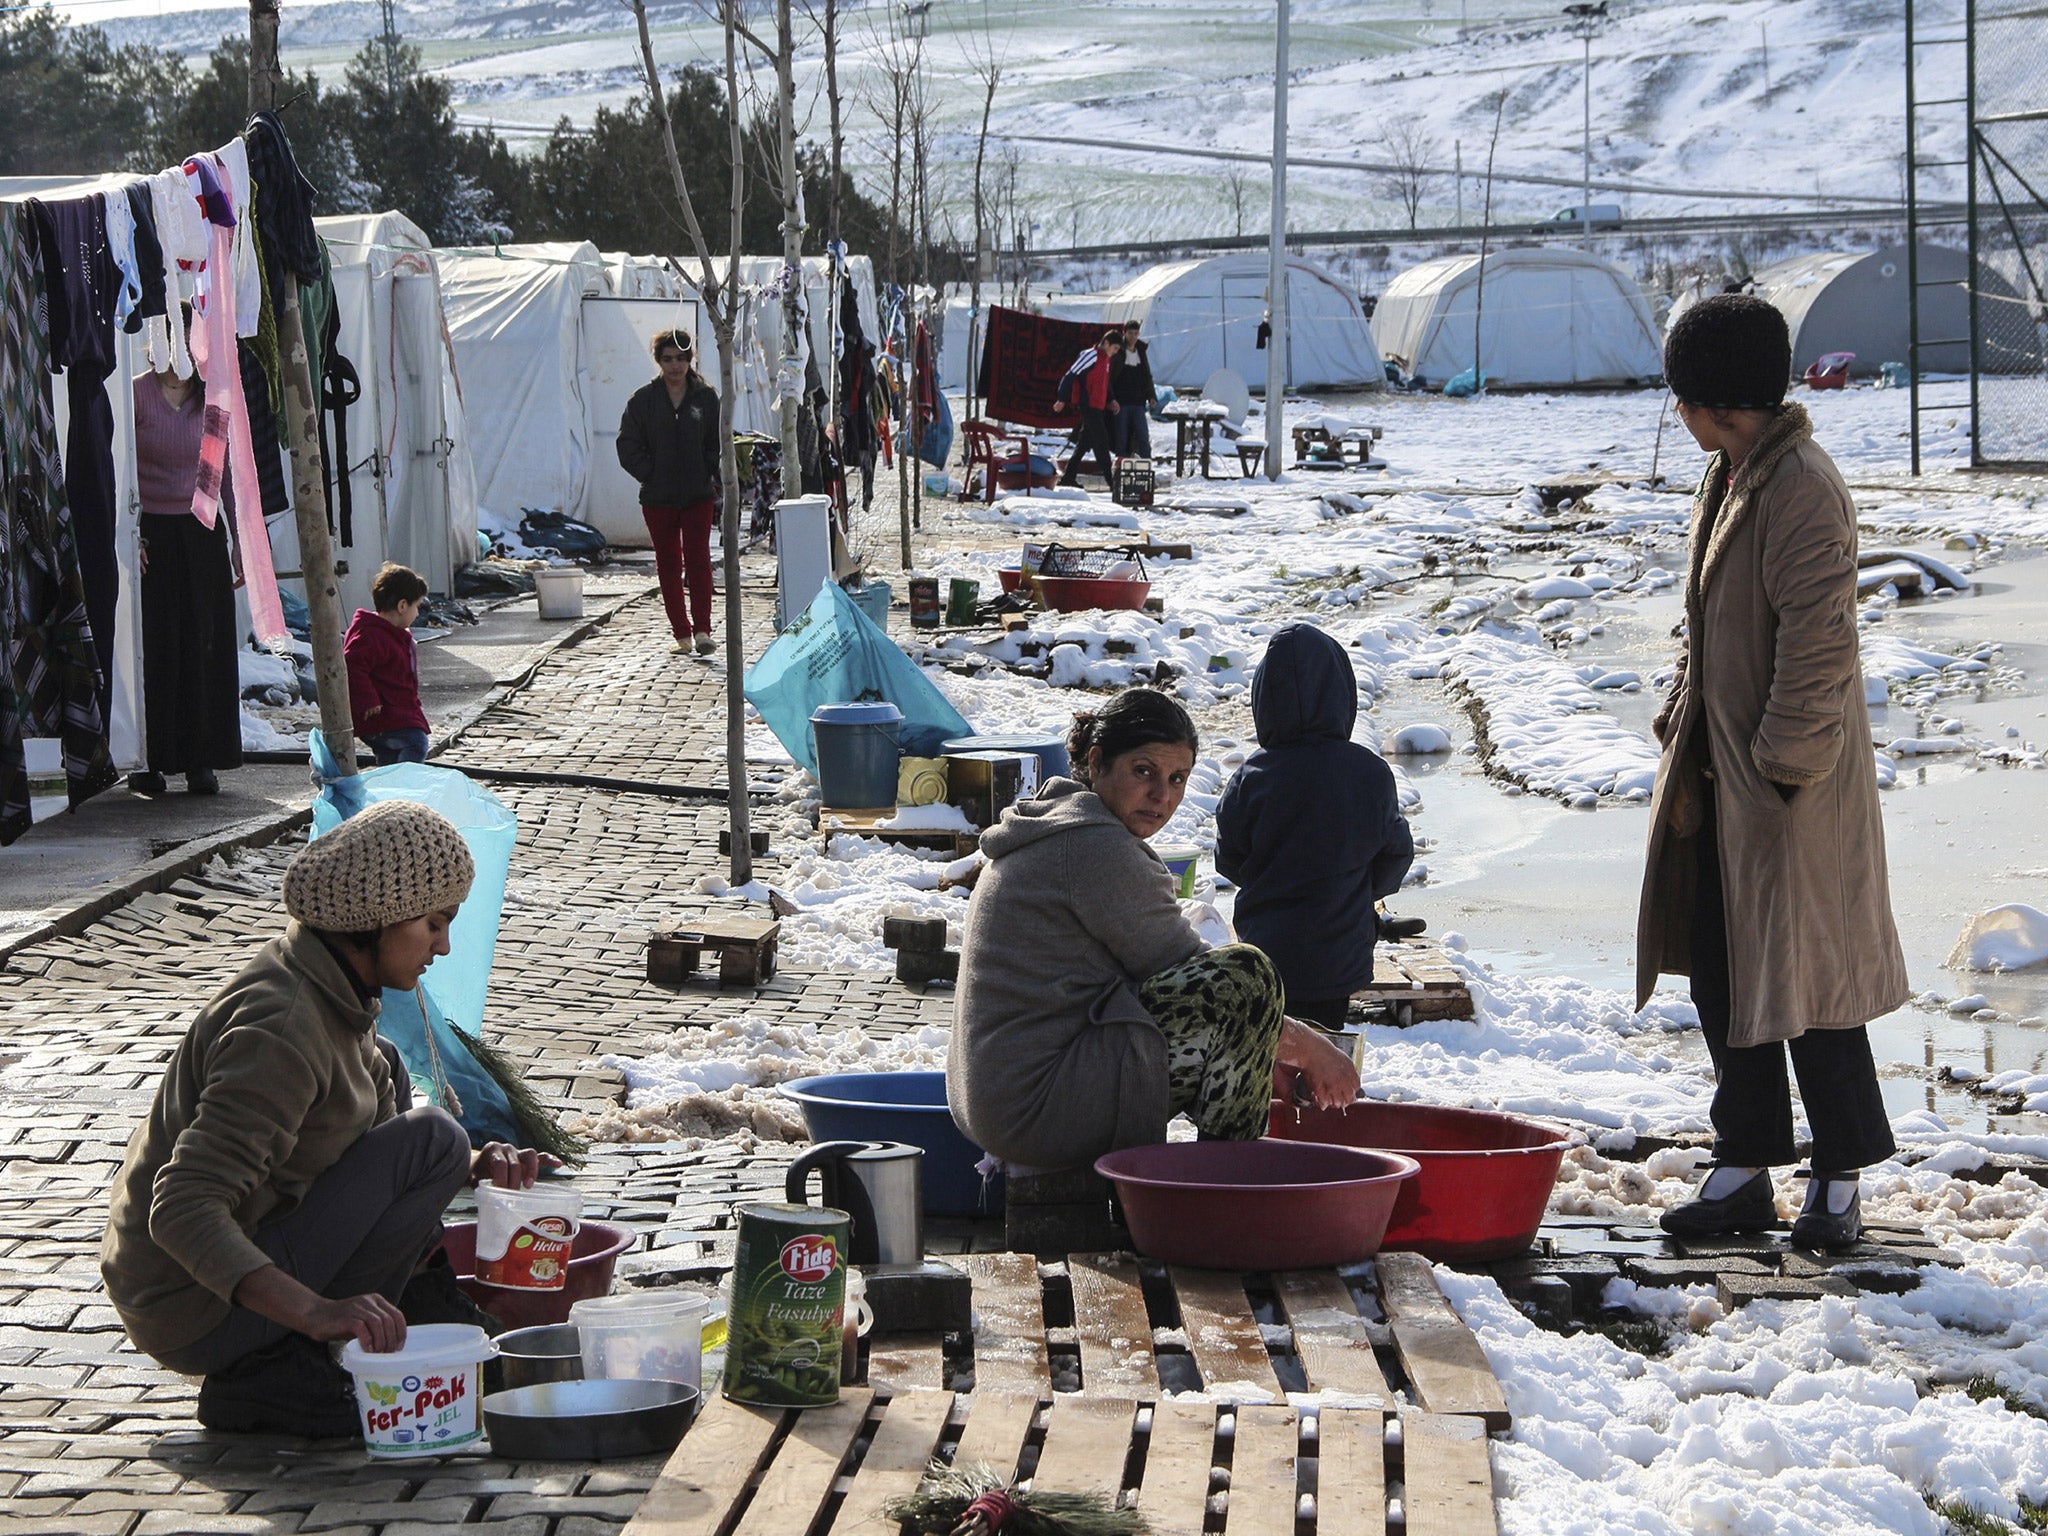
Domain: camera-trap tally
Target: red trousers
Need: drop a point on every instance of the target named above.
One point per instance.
(682, 559)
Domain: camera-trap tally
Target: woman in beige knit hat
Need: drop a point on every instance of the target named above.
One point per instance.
(282, 1193)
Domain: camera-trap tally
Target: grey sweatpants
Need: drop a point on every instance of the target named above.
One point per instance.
(363, 1227)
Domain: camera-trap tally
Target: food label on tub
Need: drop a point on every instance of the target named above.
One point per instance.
(785, 1331)
(536, 1259)
(436, 1410)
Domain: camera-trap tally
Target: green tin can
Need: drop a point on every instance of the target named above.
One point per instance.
(785, 1327)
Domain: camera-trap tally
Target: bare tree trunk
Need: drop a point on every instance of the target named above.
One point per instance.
(721, 304)
(309, 479)
(792, 370)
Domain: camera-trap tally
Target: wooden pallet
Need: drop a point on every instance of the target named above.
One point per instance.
(1034, 1321)
(867, 823)
(1414, 980)
(834, 1471)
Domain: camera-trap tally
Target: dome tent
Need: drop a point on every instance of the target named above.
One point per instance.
(1199, 316)
(1856, 301)
(1550, 318)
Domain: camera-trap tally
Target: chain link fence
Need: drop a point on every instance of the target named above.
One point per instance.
(2009, 230)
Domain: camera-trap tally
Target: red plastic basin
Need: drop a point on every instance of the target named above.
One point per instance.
(1077, 594)
(1485, 1181)
(1256, 1204)
(592, 1259)
(1011, 576)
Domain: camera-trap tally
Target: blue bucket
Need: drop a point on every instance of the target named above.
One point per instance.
(857, 754)
(908, 1107)
(1050, 750)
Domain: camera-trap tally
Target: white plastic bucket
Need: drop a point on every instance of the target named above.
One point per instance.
(1180, 860)
(651, 1336)
(560, 593)
(524, 1237)
(424, 1399)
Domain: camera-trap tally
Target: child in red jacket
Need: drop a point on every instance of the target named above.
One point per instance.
(384, 668)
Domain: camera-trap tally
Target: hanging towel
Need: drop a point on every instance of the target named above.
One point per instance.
(181, 234)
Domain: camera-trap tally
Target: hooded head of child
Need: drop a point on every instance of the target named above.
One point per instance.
(1304, 690)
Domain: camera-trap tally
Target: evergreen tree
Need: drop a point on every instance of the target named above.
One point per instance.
(71, 104)
(318, 123)
(407, 145)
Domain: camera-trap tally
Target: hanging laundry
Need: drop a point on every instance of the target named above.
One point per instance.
(227, 412)
(149, 256)
(120, 220)
(181, 233)
(84, 287)
(51, 685)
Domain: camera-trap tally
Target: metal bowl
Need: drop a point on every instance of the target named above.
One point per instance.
(527, 1357)
(588, 1420)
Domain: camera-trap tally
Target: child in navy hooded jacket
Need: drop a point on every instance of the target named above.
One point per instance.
(1310, 828)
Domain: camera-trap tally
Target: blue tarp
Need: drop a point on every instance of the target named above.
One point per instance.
(834, 654)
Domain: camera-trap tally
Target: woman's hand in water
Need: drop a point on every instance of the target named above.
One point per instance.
(1325, 1076)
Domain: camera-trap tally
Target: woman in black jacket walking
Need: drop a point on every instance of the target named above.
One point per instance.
(668, 441)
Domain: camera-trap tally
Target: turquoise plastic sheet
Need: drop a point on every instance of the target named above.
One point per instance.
(834, 654)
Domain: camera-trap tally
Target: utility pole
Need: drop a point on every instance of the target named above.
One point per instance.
(1458, 179)
(1276, 257)
(1763, 28)
(309, 481)
(1586, 143)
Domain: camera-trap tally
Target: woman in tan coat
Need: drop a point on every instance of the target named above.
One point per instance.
(1766, 878)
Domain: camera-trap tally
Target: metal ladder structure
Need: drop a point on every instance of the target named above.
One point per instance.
(1922, 54)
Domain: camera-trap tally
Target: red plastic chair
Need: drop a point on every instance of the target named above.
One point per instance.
(1006, 468)
(1829, 371)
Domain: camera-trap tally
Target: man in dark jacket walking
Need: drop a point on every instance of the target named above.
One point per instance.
(668, 441)
(1085, 386)
(1131, 386)
(1310, 828)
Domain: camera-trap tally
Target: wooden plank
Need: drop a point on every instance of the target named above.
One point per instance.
(1444, 1362)
(708, 1472)
(1351, 1474)
(1087, 1442)
(905, 1362)
(997, 1426)
(895, 1464)
(1114, 1329)
(1262, 1472)
(1331, 1339)
(1009, 1323)
(1447, 1477)
(1222, 1333)
(1174, 1496)
(799, 1480)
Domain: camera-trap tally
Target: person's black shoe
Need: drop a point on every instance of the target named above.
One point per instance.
(292, 1387)
(1751, 1208)
(1402, 927)
(150, 783)
(433, 1296)
(1820, 1227)
(202, 781)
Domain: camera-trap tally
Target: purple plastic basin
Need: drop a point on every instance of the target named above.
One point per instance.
(1256, 1204)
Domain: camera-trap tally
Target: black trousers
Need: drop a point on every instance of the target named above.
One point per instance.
(1329, 1012)
(1752, 1111)
(1092, 436)
(191, 686)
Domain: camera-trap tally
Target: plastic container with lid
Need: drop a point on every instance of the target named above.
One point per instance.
(421, 1400)
(524, 1237)
(857, 754)
(643, 1335)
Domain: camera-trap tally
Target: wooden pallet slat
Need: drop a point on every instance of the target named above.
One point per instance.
(1223, 1335)
(1448, 1476)
(1174, 1493)
(997, 1425)
(1087, 1443)
(709, 1472)
(1333, 1343)
(1351, 1472)
(1009, 1323)
(904, 1362)
(1445, 1364)
(896, 1462)
(799, 1480)
(1114, 1329)
(1262, 1472)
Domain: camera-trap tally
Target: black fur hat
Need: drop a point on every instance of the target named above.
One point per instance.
(1729, 352)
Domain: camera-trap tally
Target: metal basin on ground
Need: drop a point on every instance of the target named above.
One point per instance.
(591, 1262)
(1485, 1181)
(588, 1420)
(902, 1106)
(1256, 1204)
(527, 1357)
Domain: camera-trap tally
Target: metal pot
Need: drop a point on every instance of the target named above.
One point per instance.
(588, 1420)
(528, 1357)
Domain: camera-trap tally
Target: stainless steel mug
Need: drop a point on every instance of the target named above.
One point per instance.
(880, 1184)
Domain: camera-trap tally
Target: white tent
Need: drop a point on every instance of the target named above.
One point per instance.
(411, 478)
(1550, 317)
(1199, 316)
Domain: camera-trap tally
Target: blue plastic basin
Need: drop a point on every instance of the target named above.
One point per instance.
(902, 1106)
